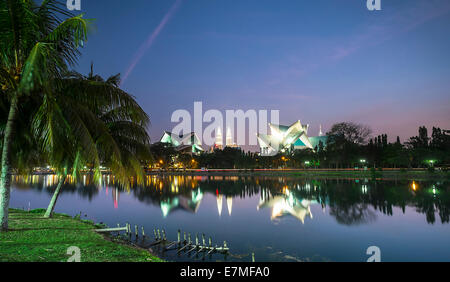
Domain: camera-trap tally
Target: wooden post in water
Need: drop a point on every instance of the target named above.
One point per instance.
(212, 250)
(164, 235)
(136, 231)
(159, 235)
(203, 240)
(253, 257)
(143, 232)
(179, 236)
(189, 238)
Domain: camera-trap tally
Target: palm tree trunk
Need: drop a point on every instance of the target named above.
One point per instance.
(5, 177)
(51, 206)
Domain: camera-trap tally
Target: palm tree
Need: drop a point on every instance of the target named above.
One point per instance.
(93, 122)
(36, 49)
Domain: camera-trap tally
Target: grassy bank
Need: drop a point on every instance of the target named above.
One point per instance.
(35, 239)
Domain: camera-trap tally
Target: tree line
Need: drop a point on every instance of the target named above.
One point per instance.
(348, 145)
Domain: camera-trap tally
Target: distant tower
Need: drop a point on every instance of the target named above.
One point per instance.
(219, 138)
(320, 131)
(229, 138)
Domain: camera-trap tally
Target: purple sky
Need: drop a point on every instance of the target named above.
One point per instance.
(321, 61)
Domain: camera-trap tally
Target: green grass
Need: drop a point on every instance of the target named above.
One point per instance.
(33, 238)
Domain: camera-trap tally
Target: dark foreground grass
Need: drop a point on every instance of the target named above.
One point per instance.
(33, 238)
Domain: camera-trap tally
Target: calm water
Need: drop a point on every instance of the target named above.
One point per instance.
(276, 218)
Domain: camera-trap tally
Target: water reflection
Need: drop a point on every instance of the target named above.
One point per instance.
(349, 201)
(189, 204)
(287, 204)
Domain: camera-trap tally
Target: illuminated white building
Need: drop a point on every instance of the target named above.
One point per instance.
(188, 143)
(288, 138)
(218, 145)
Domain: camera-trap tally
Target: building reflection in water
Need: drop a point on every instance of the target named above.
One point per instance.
(182, 202)
(230, 205)
(219, 204)
(229, 200)
(116, 196)
(287, 204)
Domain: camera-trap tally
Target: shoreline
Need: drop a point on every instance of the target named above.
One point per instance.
(32, 238)
(320, 173)
(385, 173)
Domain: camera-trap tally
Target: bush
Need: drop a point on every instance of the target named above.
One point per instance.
(38, 211)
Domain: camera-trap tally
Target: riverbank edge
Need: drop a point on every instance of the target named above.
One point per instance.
(378, 174)
(32, 238)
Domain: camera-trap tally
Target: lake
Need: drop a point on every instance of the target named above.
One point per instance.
(275, 218)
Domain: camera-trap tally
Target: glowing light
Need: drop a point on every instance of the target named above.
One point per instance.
(414, 186)
(364, 189)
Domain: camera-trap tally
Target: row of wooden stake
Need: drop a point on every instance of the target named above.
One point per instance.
(186, 244)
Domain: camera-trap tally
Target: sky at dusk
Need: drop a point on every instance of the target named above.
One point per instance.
(318, 61)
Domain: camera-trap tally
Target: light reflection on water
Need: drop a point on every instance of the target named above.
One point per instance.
(277, 218)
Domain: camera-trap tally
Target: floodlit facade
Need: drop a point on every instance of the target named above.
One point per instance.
(288, 138)
(188, 143)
